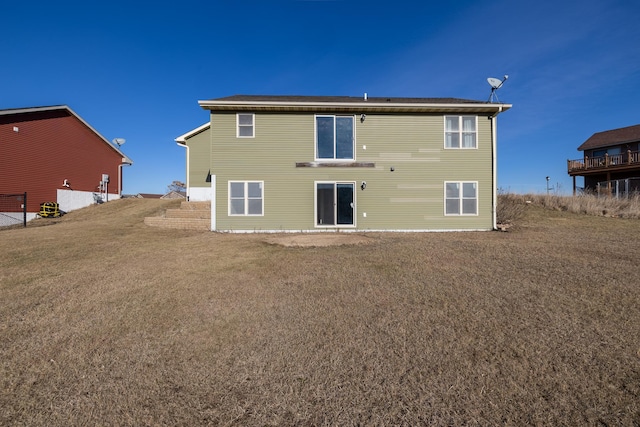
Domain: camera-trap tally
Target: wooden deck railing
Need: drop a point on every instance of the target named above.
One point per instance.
(604, 162)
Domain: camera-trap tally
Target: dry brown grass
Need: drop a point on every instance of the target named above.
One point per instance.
(107, 322)
(589, 204)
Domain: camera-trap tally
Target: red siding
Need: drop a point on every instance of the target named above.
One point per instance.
(49, 147)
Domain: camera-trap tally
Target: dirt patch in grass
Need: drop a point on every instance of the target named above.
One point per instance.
(319, 239)
(105, 321)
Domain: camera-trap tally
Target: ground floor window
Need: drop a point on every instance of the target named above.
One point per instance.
(334, 204)
(246, 198)
(461, 198)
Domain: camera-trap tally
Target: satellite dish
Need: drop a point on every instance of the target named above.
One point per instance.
(495, 85)
(119, 141)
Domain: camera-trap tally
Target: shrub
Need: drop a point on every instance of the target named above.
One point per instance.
(510, 208)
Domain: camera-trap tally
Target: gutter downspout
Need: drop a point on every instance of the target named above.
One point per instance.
(184, 144)
(124, 163)
(494, 168)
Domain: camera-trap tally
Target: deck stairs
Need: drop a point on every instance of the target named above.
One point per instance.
(190, 216)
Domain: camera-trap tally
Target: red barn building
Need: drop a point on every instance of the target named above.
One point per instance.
(54, 156)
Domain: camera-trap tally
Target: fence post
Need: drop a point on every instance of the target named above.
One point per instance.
(626, 187)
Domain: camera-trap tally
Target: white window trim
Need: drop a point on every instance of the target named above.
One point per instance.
(460, 132)
(315, 204)
(315, 138)
(253, 125)
(461, 198)
(246, 197)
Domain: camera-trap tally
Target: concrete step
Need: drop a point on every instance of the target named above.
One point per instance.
(179, 223)
(194, 206)
(190, 216)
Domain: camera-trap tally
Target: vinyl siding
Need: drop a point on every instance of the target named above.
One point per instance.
(409, 198)
(199, 158)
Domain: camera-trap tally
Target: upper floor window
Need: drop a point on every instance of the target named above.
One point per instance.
(334, 137)
(461, 198)
(245, 125)
(460, 132)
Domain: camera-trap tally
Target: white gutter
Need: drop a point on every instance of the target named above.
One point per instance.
(361, 106)
(184, 144)
(494, 167)
(125, 162)
(213, 203)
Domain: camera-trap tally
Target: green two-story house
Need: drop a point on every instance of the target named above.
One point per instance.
(321, 163)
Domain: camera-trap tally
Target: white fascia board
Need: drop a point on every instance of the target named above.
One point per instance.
(356, 106)
(182, 139)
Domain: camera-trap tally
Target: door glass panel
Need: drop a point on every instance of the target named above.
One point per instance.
(325, 204)
(345, 203)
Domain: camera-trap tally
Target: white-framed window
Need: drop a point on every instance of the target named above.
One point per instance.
(335, 137)
(245, 125)
(334, 204)
(461, 198)
(461, 132)
(246, 198)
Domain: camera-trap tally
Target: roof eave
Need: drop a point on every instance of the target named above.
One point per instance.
(585, 146)
(362, 107)
(182, 139)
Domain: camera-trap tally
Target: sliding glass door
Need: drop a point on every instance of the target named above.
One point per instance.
(334, 204)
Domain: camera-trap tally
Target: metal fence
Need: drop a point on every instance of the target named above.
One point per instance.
(13, 209)
(619, 188)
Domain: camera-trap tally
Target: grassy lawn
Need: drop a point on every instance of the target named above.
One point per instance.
(104, 321)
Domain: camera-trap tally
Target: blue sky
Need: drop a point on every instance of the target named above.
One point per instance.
(136, 69)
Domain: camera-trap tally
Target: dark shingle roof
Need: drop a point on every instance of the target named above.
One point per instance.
(9, 111)
(345, 99)
(608, 138)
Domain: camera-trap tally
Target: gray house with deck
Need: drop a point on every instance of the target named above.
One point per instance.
(611, 162)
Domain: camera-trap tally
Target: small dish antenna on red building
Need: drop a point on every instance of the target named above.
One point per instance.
(495, 85)
(119, 141)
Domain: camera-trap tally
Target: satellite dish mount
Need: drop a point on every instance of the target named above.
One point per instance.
(119, 141)
(495, 85)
